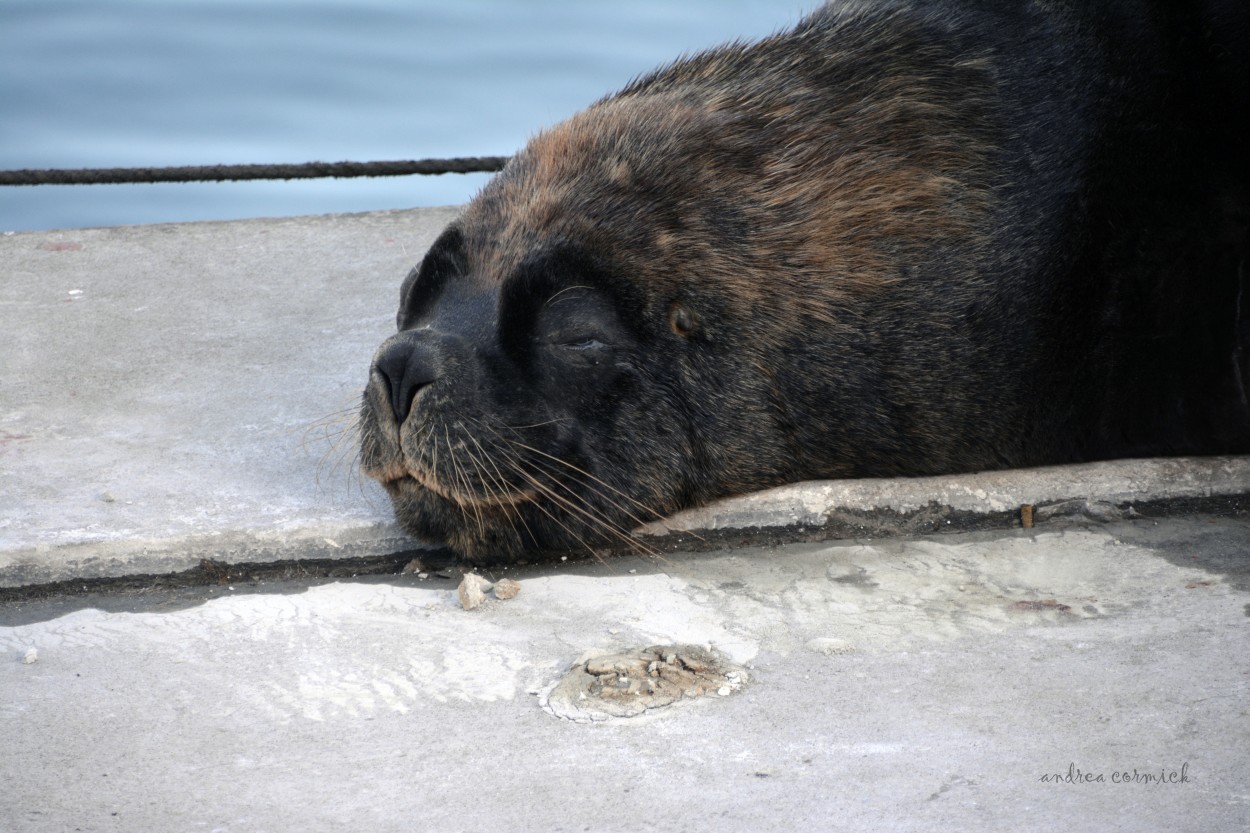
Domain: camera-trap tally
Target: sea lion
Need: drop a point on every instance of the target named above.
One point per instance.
(903, 238)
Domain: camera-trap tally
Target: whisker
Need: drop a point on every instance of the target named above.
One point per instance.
(551, 472)
(551, 301)
(462, 484)
(508, 509)
(595, 516)
(538, 424)
(586, 510)
(557, 521)
(343, 422)
(334, 417)
(515, 465)
(646, 509)
(341, 431)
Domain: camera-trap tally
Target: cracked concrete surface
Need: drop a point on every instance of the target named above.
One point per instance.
(904, 684)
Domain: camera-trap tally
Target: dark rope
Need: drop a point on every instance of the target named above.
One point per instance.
(235, 173)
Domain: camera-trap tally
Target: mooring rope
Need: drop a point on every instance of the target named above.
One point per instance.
(236, 173)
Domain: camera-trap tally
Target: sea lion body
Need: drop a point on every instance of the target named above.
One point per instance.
(904, 238)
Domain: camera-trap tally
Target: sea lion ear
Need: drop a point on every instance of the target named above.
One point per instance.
(405, 291)
(681, 320)
(443, 261)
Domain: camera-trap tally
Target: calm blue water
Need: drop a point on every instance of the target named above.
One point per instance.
(103, 83)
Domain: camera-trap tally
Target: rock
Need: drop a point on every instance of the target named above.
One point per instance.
(830, 646)
(506, 589)
(472, 590)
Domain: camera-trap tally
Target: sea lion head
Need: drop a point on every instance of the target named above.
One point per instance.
(561, 372)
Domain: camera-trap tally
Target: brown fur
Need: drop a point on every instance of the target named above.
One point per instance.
(904, 166)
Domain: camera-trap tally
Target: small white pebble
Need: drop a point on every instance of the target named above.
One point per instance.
(30, 657)
(724, 691)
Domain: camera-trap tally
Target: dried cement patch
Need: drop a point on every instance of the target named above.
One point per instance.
(903, 595)
(347, 652)
(629, 684)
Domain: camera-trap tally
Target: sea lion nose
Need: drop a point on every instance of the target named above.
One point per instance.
(405, 368)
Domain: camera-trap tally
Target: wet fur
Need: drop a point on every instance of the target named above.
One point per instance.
(901, 239)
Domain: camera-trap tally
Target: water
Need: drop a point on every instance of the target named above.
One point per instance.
(105, 83)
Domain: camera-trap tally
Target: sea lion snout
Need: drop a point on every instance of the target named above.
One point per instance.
(405, 364)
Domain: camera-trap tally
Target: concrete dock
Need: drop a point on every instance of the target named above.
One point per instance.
(176, 401)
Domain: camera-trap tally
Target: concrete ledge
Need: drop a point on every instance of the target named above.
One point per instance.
(124, 559)
(180, 392)
(174, 392)
(1100, 491)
